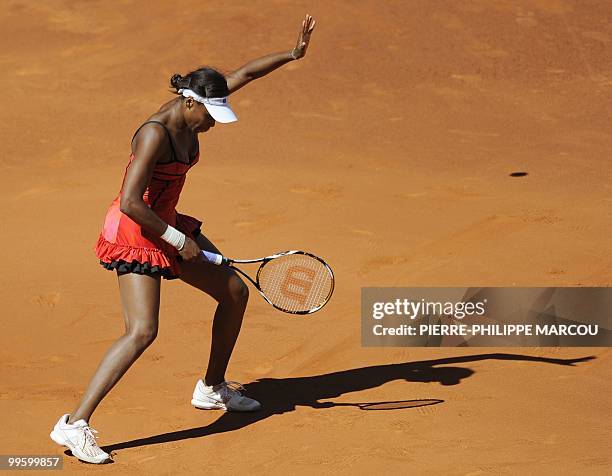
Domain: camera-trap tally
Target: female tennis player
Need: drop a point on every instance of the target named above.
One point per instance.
(144, 239)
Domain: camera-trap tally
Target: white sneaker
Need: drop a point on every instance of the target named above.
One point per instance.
(79, 438)
(225, 396)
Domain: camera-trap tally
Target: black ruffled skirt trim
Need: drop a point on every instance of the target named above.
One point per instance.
(138, 268)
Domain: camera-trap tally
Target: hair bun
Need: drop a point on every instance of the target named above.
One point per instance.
(175, 81)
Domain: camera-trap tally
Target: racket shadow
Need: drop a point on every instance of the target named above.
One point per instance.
(284, 395)
(392, 405)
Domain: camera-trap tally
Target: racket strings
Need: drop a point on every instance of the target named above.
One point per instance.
(296, 282)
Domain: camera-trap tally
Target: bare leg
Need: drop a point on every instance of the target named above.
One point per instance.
(229, 290)
(140, 301)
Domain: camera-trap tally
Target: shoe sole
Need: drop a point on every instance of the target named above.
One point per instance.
(60, 440)
(207, 405)
(199, 404)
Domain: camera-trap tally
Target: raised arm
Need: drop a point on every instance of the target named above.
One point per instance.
(266, 64)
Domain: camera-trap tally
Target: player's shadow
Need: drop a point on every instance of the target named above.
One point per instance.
(284, 395)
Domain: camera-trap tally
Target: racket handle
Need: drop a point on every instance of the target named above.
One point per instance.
(214, 258)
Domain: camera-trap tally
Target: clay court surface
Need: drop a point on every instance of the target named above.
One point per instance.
(387, 151)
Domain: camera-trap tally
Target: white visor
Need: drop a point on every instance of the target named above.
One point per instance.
(218, 108)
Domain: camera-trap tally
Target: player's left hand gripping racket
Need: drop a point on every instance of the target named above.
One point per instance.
(292, 281)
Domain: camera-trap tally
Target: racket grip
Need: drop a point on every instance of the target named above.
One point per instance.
(213, 258)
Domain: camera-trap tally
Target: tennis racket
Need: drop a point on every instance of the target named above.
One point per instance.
(292, 281)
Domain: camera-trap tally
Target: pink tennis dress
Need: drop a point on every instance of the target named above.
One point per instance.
(125, 246)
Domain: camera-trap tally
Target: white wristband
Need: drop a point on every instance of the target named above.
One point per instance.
(174, 237)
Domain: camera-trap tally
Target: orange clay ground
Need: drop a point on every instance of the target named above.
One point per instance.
(387, 151)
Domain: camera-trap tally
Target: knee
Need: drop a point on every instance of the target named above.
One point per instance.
(143, 337)
(238, 291)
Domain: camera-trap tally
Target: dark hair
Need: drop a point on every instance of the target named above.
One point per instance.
(205, 81)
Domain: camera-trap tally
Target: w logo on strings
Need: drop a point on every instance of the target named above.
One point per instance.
(297, 283)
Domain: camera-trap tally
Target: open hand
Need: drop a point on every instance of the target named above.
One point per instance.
(303, 38)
